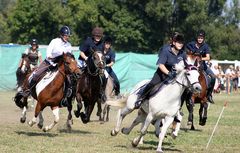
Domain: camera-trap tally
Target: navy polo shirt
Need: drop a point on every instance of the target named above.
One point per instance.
(202, 50)
(168, 58)
(88, 44)
(110, 56)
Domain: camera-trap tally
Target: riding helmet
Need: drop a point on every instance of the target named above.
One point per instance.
(108, 40)
(34, 42)
(178, 37)
(201, 33)
(65, 31)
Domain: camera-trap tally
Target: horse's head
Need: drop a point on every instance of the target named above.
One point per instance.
(25, 65)
(96, 64)
(191, 74)
(70, 64)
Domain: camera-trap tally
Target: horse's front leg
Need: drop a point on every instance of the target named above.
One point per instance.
(38, 108)
(176, 125)
(203, 113)
(79, 105)
(86, 117)
(24, 111)
(99, 110)
(69, 119)
(55, 111)
(41, 120)
(143, 131)
(120, 116)
(167, 123)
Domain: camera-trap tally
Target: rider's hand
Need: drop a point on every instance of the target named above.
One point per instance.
(172, 74)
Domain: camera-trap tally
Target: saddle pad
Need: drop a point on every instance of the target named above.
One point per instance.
(45, 81)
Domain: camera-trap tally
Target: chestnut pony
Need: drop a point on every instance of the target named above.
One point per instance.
(49, 90)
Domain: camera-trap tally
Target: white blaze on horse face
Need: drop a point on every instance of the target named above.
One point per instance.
(23, 69)
(193, 78)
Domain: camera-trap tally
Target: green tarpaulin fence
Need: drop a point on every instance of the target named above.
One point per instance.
(129, 67)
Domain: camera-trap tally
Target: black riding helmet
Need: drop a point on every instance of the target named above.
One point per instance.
(34, 42)
(108, 40)
(178, 37)
(65, 31)
(201, 33)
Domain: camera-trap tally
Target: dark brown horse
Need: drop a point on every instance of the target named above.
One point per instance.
(49, 90)
(23, 70)
(89, 85)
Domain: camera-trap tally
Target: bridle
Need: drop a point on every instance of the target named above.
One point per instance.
(97, 65)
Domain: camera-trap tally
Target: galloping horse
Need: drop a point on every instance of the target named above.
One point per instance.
(160, 105)
(50, 90)
(201, 98)
(89, 85)
(23, 70)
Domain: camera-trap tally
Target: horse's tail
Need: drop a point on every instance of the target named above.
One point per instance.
(18, 99)
(117, 102)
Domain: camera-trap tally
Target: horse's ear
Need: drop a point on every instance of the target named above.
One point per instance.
(185, 63)
(196, 63)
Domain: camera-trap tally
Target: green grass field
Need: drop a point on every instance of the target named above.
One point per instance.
(95, 137)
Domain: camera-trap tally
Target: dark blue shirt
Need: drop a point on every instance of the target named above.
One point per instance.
(168, 58)
(89, 44)
(110, 56)
(202, 50)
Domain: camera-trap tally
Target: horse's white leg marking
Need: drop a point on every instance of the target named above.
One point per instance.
(56, 119)
(33, 121)
(178, 124)
(166, 124)
(24, 112)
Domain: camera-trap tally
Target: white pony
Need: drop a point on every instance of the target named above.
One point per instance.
(164, 104)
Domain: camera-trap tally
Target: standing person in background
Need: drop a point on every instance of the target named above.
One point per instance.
(235, 79)
(110, 61)
(200, 48)
(229, 74)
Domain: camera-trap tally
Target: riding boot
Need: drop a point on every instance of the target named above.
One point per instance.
(143, 95)
(210, 90)
(117, 89)
(67, 92)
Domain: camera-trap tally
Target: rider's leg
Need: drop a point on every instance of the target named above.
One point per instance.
(43, 67)
(211, 86)
(116, 83)
(157, 78)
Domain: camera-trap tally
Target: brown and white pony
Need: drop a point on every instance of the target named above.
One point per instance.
(49, 90)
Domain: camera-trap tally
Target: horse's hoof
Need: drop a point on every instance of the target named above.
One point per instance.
(40, 126)
(125, 131)
(22, 120)
(45, 129)
(135, 143)
(159, 151)
(77, 114)
(107, 119)
(98, 114)
(189, 123)
(114, 133)
(174, 136)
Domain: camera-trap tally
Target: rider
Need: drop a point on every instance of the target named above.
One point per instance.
(169, 55)
(55, 50)
(90, 45)
(33, 54)
(110, 60)
(200, 48)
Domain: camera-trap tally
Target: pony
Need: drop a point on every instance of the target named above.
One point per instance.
(192, 99)
(89, 86)
(201, 98)
(49, 91)
(160, 105)
(23, 70)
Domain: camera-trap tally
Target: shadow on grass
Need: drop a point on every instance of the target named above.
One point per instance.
(36, 133)
(188, 129)
(75, 131)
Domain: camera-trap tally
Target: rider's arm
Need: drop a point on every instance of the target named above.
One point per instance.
(82, 54)
(110, 64)
(163, 68)
(207, 58)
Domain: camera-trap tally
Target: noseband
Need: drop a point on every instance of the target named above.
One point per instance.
(97, 66)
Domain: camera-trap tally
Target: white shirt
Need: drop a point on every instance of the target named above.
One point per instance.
(57, 47)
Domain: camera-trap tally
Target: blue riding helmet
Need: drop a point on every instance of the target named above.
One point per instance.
(201, 33)
(65, 31)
